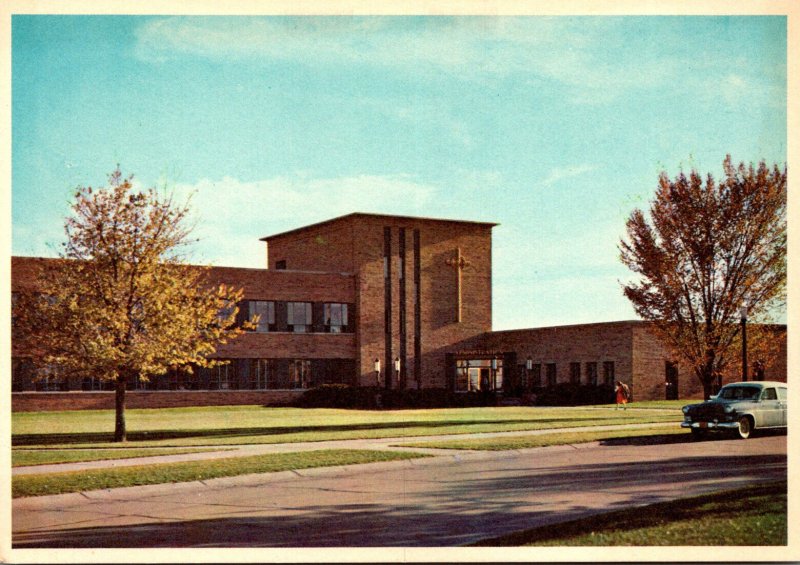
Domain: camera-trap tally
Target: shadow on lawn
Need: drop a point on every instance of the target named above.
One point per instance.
(19, 440)
(665, 439)
(753, 503)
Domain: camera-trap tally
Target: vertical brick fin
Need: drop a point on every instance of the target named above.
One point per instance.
(417, 312)
(401, 268)
(387, 303)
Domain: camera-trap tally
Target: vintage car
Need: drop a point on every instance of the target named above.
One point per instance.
(739, 408)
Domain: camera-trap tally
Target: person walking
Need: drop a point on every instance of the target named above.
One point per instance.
(623, 395)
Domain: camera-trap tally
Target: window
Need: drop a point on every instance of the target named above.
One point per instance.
(299, 316)
(224, 314)
(265, 310)
(479, 374)
(739, 392)
(221, 377)
(462, 375)
(333, 371)
(299, 373)
(50, 384)
(49, 379)
(608, 372)
(335, 318)
(181, 378)
(262, 374)
(536, 374)
(93, 383)
(144, 385)
(550, 374)
(769, 394)
(575, 373)
(591, 373)
(23, 374)
(280, 265)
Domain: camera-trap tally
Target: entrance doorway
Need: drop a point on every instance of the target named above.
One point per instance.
(671, 379)
(478, 375)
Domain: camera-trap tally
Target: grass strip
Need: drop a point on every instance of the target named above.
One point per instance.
(79, 481)
(660, 434)
(28, 457)
(181, 428)
(750, 516)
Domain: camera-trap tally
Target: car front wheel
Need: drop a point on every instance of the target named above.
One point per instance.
(745, 427)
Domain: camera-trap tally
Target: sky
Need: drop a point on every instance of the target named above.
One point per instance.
(556, 128)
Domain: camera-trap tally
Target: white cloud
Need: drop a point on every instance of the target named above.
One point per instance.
(371, 40)
(561, 173)
(559, 49)
(735, 89)
(580, 54)
(231, 215)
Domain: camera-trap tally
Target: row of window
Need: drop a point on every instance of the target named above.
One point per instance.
(579, 373)
(488, 374)
(297, 317)
(236, 374)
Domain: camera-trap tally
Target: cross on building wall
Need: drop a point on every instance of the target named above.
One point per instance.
(459, 263)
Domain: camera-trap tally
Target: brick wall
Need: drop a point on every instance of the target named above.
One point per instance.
(562, 345)
(290, 345)
(258, 284)
(651, 355)
(356, 243)
(650, 368)
(55, 401)
(264, 284)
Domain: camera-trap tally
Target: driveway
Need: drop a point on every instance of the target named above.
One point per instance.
(439, 501)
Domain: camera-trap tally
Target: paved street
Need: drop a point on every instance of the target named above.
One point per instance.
(440, 501)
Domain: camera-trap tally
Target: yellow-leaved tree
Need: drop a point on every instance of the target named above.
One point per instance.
(122, 303)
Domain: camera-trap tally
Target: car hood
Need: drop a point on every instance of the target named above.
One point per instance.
(720, 403)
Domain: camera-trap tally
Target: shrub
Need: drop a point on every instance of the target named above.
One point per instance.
(368, 398)
(339, 396)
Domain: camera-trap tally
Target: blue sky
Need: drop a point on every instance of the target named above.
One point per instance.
(556, 128)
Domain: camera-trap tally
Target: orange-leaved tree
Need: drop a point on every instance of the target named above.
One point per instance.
(122, 303)
(708, 248)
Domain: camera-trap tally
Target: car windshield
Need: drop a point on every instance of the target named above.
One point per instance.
(739, 392)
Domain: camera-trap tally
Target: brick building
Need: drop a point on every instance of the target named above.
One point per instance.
(410, 297)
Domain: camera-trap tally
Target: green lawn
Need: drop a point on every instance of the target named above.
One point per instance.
(228, 425)
(750, 516)
(25, 457)
(80, 481)
(658, 434)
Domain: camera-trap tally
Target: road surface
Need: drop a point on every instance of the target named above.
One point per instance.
(438, 501)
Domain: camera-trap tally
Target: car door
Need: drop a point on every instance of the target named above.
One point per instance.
(769, 410)
(783, 405)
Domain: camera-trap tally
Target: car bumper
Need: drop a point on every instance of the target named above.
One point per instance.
(710, 425)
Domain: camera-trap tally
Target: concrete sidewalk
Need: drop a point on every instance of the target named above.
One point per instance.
(261, 449)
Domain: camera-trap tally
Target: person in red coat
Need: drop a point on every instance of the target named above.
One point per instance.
(623, 394)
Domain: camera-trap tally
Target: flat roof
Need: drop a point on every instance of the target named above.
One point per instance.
(356, 215)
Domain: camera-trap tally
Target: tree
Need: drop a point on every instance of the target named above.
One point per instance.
(708, 248)
(122, 304)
